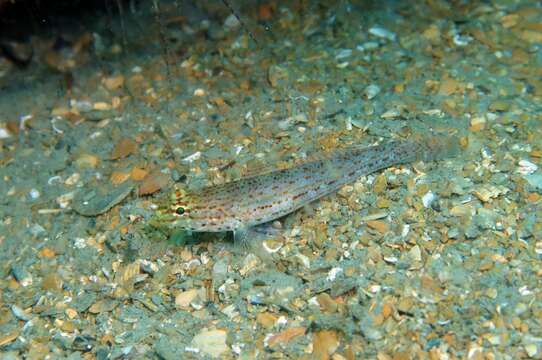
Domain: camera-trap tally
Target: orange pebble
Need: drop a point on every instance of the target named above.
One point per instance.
(265, 11)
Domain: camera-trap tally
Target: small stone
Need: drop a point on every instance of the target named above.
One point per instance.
(405, 304)
(4, 132)
(453, 233)
(153, 182)
(472, 231)
(327, 304)
(231, 22)
(531, 36)
(191, 158)
(250, 262)
(390, 114)
(8, 338)
(19, 313)
(432, 33)
(277, 75)
(526, 167)
(371, 91)
(492, 293)
(477, 123)
(46, 253)
(118, 177)
(510, 20)
(51, 282)
(535, 180)
(531, 350)
(102, 106)
(428, 199)
(378, 225)
(325, 343)
(462, 210)
(212, 343)
(499, 105)
(382, 33)
(383, 203)
(267, 320)
(114, 83)
(71, 313)
(199, 92)
(123, 148)
(448, 87)
(343, 53)
(92, 200)
(103, 306)
(73, 179)
(34, 194)
(489, 192)
(22, 276)
(387, 310)
(183, 300)
(138, 174)
(380, 184)
(284, 337)
(86, 161)
(415, 253)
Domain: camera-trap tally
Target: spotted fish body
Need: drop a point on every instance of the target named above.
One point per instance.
(247, 202)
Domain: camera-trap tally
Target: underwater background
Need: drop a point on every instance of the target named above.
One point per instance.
(108, 106)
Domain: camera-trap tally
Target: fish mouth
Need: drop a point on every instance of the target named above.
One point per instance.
(162, 218)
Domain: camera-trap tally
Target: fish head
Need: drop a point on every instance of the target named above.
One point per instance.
(183, 210)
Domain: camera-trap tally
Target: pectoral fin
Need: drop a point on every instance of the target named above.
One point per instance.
(250, 238)
(240, 237)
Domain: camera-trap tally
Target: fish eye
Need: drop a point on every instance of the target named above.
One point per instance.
(180, 210)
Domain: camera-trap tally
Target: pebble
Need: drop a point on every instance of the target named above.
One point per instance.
(343, 53)
(462, 210)
(4, 132)
(72, 179)
(232, 22)
(382, 33)
(488, 192)
(453, 233)
(87, 161)
(535, 180)
(34, 194)
(325, 343)
(124, 148)
(378, 225)
(7, 338)
(284, 337)
(531, 350)
(19, 313)
(390, 114)
(277, 75)
(199, 92)
(428, 199)
(154, 182)
(93, 200)
(526, 167)
(371, 91)
(114, 83)
(191, 158)
(369, 45)
(22, 276)
(477, 123)
(211, 342)
(185, 298)
(267, 320)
